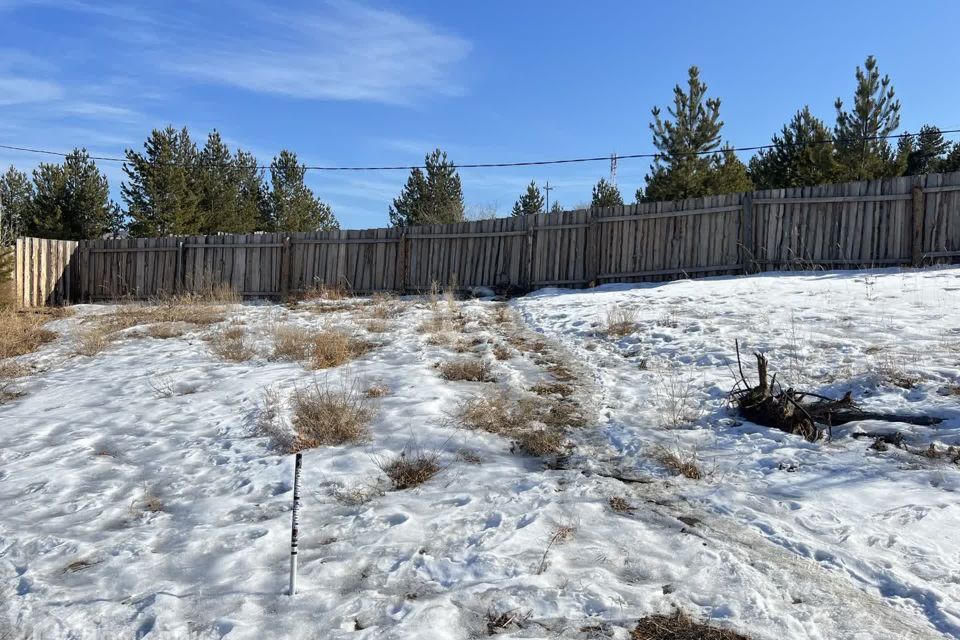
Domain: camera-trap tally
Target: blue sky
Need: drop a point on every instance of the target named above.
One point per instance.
(345, 83)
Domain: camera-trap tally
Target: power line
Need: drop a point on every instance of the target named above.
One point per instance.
(497, 165)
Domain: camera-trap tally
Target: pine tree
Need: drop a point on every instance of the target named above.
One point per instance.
(556, 208)
(16, 198)
(161, 191)
(229, 189)
(605, 194)
(688, 143)
(530, 202)
(434, 197)
(802, 155)
(863, 152)
(292, 205)
(72, 200)
(952, 161)
(927, 151)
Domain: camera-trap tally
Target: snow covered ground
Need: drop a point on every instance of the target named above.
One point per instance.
(139, 498)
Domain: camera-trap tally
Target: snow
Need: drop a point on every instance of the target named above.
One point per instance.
(781, 539)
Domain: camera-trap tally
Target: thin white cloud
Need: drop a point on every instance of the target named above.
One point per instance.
(343, 52)
(21, 90)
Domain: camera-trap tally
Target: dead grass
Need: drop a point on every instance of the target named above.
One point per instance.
(560, 389)
(502, 352)
(90, 340)
(620, 504)
(500, 621)
(385, 306)
(23, 332)
(232, 344)
(620, 321)
(317, 349)
(535, 425)
(539, 442)
(165, 330)
(328, 415)
(378, 390)
(679, 626)
(563, 533)
(322, 292)
(192, 309)
(469, 456)
(410, 468)
(680, 463)
(467, 370)
(377, 326)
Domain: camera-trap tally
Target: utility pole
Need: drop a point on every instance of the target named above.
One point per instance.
(548, 189)
(613, 169)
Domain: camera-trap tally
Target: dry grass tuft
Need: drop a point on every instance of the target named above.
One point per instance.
(679, 626)
(193, 309)
(498, 622)
(324, 415)
(317, 349)
(680, 464)
(377, 326)
(620, 321)
(384, 306)
(9, 372)
(502, 352)
(552, 389)
(539, 442)
(165, 330)
(324, 292)
(378, 390)
(503, 314)
(232, 344)
(408, 469)
(22, 332)
(467, 370)
(620, 504)
(563, 533)
(90, 340)
(469, 456)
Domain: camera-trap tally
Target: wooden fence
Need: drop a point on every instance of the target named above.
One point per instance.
(895, 221)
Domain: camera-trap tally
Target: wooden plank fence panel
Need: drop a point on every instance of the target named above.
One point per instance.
(878, 222)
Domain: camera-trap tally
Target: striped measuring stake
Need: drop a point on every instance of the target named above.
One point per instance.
(295, 524)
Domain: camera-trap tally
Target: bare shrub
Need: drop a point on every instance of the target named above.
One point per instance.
(620, 321)
(678, 626)
(410, 468)
(620, 504)
(675, 395)
(356, 496)
(90, 340)
(467, 370)
(326, 415)
(680, 463)
(22, 332)
(232, 344)
(503, 314)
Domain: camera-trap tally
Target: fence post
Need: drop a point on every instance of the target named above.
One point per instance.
(178, 277)
(591, 252)
(285, 268)
(746, 234)
(402, 262)
(918, 223)
(528, 270)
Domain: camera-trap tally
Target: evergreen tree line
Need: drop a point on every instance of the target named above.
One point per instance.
(691, 161)
(172, 187)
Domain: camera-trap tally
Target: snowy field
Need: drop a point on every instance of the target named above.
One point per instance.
(140, 496)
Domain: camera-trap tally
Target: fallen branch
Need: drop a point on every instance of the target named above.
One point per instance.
(789, 410)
